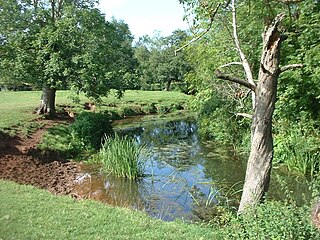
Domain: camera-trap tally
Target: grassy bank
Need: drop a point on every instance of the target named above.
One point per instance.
(29, 213)
(16, 108)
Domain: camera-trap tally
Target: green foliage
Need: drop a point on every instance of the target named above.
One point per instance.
(158, 63)
(221, 123)
(64, 44)
(296, 139)
(129, 110)
(122, 157)
(299, 90)
(297, 146)
(91, 127)
(271, 220)
(149, 108)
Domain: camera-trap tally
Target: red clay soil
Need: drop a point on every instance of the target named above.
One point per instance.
(21, 162)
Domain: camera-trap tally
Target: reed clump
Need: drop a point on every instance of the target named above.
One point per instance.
(122, 157)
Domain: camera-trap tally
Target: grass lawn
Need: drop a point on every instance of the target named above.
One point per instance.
(30, 213)
(16, 108)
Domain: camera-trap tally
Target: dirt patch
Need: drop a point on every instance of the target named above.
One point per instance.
(22, 163)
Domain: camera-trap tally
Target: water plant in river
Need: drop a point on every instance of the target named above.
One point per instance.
(122, 156)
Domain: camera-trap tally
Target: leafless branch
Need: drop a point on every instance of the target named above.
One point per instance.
(242, 82)
(246, 115)
(244, 60)
(231, 63)
(203, 33)
(289, 1)
(291, 66)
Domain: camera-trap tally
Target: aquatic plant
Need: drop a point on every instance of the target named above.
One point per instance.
(122, 156)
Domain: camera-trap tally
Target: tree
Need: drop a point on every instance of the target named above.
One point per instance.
(263, 90)
(56, 44)
(158, 62)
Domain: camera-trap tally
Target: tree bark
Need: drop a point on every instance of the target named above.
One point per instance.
(168, 85)
(47, 102)
(261, 155)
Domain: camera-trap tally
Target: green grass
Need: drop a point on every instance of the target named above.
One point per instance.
(122, 157)
(29, 213)
(16, 108)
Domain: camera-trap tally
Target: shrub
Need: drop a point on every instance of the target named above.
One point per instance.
(271, 220)
(130, 110)
(149, 108)
(91, 127)
(163, 109)
(217, 120)
(297, 146)
(122, 157)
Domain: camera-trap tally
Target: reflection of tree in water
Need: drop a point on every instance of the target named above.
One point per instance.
(174, 142)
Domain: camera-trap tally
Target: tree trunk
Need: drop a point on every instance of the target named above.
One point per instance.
(168, 85)
(47, 102)
(261, 155)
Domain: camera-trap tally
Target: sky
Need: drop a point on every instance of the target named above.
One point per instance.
(144, 17)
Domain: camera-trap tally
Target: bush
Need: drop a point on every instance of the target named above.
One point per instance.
(130, 110)
(271, 220)
(217, 120)
(297, 146)
(122, 157)
(149, 108)
(91, 127)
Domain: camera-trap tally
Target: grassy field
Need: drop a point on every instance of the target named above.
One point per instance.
(16, 108)
(29, 213)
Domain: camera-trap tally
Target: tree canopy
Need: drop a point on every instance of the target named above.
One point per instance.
(63, 44)
(158, 63)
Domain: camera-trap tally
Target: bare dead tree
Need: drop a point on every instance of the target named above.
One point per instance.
(264, 92)
(263, 101)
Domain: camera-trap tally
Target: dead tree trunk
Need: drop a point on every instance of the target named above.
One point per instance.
(261, 155)
(47, 102)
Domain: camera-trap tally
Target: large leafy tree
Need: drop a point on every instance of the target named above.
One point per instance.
(241, 58)
(55, 44)
(158, 62)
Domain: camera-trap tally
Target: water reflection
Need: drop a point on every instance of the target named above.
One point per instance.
(184, 176)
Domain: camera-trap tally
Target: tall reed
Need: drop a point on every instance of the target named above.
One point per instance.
(122, 157)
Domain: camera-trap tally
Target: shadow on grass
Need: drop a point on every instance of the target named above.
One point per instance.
(58, 144)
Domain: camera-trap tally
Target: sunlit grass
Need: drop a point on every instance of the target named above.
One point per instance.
(17, 108)
(30, 213)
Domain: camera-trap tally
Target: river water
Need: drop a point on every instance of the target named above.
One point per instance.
(185, 177)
